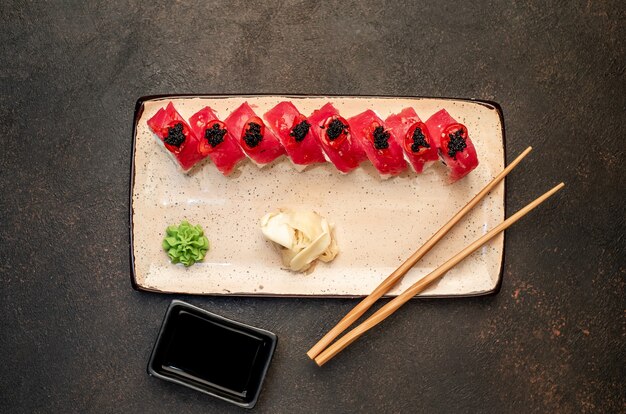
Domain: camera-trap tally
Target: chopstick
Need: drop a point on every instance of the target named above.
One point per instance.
(395, 277)
(421, 284)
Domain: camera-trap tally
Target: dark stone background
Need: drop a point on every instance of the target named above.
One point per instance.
(74, 336)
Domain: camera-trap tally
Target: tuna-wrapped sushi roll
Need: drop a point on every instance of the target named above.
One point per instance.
(380, 145)
(455, 146)
(257, 142)
(412, 134)
(294, 132)
(176, 136)
(332, 132)
(215, 140)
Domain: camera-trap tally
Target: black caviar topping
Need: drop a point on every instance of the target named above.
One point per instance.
(457, 143)
(175, 136)
(381, 138)
(299, 131)
(253, 136)
(215, 135)
(335, 128)
(419, 140)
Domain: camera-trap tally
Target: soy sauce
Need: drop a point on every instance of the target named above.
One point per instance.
(223, 358)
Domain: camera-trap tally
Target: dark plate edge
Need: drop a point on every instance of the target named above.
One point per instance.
(131, 185)
(139, 111)
(177, 302)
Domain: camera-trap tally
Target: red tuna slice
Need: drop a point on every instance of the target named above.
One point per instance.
(455, 146)
(258, 143)
(414, 138)
(215, 140)
(332, 132)
(380, 145)
(294, 132)
(177, 136)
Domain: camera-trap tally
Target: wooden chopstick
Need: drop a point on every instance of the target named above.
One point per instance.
(421, 284)
(395, 277)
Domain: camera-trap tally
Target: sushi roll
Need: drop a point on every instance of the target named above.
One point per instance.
(257, 142)
(380, 145)
(215, 140)
(419, 149)
(176, 136)
(332, 132)
(294, 132)
(456, 149)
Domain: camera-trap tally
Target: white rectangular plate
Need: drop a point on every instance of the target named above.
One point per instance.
(378, 223)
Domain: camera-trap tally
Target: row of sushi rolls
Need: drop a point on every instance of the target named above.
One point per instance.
(324, 136)
(304, 237)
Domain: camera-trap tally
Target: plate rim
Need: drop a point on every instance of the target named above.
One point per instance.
(139, 108)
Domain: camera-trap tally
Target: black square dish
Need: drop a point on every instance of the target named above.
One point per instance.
(212, 354)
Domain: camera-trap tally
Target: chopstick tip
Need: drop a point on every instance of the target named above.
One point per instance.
(319, 361)
(526, 151)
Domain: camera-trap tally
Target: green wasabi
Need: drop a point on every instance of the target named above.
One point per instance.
(185, 243)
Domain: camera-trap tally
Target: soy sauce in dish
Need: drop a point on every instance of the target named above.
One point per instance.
(224, 359)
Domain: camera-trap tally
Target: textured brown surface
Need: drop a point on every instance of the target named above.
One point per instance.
(76, 338)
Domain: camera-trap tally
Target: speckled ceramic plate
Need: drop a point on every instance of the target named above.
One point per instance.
(378, 223)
